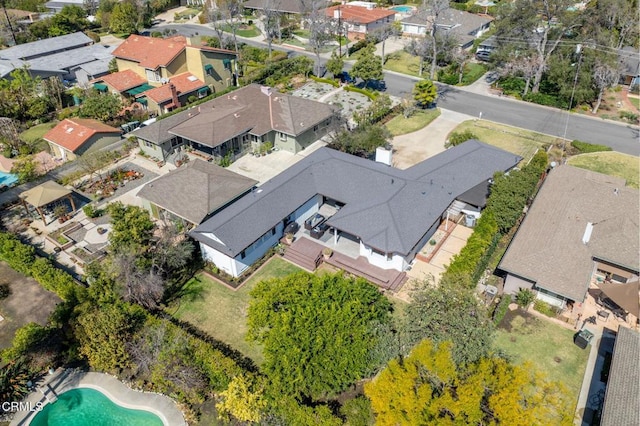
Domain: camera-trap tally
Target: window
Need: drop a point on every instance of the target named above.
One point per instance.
(153, 75)
(242, 254)
(283, 136)
(208, 70)
(273, 231)
(315, 128)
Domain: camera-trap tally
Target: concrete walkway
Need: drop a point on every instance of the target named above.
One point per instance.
(65, 380)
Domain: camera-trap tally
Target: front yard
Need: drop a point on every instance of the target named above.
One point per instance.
(549, 347)
(610, 163)
(399, 125)
(513, 139)
(221, 312)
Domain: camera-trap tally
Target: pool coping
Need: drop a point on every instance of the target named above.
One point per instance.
(111, 387)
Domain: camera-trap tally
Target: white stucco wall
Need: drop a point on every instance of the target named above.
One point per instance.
(413, 29)
(512, 284)
(396, 262)
(222, 261)
(306, 210)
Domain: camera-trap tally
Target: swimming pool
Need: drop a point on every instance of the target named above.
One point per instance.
(7, 179)
(87, 407)
(402, 9)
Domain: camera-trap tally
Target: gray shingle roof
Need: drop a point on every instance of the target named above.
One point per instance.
(389, 209)
(548, 248)
(462, 24)
(196, 190)
(158, 131)
(72, 58)
(249, 109)
(622, 400)
(34, 49)
(286, 6)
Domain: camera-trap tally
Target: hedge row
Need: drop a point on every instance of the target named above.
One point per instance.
(22, 258)
(585, 147)
(332, 82)
(368, 94)
(509, 195)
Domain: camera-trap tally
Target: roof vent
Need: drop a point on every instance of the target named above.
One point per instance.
(236, 115)
(587, 233)
(69, 129)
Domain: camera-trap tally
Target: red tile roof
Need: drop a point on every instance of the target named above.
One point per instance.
(150, 52)
(122, 80)
(185, 83)
(71, 134)
(359, 14)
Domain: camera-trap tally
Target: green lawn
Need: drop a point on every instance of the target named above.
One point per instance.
(513, 139)
(34, 133)
(635, 102)
(220, 311)
(547, 346)
(472, 72)
(405, 63)
(421, 118)
(302, 33)
(243, 30)
(610, 163)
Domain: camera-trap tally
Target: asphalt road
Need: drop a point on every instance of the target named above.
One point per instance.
(551, 121)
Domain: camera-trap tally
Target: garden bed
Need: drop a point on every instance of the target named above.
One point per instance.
(108, 185)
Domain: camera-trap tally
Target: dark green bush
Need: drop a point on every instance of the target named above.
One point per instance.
(544, 99)
(585, 147)
(456, 138)
(447, 78)
(511, 85)
(332, 82)
(545, 309)
(629, 116)
(501, 309)
(367, 93)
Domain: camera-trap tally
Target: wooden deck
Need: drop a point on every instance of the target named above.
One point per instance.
(308, 254)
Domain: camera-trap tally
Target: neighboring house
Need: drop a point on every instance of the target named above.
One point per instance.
(175, 93)
(582, 226)
(622, 398)
(237, 123)
(56, 6)
(73, 137)
(57, 56)
(386, 213)
(360, 20)
(194, 192)
(629, 59)
(120, 82)
(465, 26)
(286, 7)
(157, 60)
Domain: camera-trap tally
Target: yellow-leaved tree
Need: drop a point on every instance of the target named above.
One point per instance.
(427, 388)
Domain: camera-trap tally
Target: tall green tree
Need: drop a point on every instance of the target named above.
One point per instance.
(368, 66)
(335, 64)
(69, 20)
(318, 332)
(425, 93)
(449, 312)
(132, 228)
(124, 17)
(100, 106)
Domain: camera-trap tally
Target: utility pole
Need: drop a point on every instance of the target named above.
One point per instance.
(13, 34)
(573, 92)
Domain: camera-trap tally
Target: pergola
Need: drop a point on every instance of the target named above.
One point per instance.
(45, 194)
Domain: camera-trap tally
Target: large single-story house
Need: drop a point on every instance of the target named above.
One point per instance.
(286, 7)
(73, 137)
(581, 226)
(194, 192)
(387, 213)
(237, 123)
(57, 56)
(622, 397)
(358, 20)
(465, 26)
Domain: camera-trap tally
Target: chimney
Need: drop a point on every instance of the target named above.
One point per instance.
(266, 90)
(174, 95)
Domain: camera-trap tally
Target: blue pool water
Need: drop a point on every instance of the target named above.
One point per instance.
(7, 179)
(89, 407)
(403, 9)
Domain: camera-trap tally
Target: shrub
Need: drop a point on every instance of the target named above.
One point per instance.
(5, 290)
(332, 82)
(525, 297)
(511, 85)
(585, 147)
(447, 78)
(545, 309)
(361, 44)
(367, 93)
(629, 116)
(456, 138)
(544, 99)
(93, 36)
(501, 309)
(91, 211)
